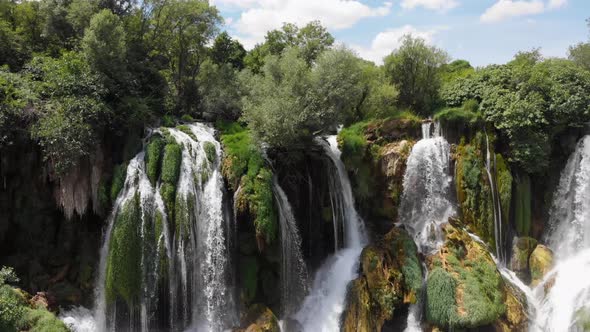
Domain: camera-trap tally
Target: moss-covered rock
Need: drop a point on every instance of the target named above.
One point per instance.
(123, 272)
(522, 247)
(248, 272)
(171, 163)
(259, 318)
(358, 315)
(119, 174)
(522, 205)
(540, 262)
(391, 276)
(474, 193)
(153, 158)
(210, 151)
(464, 288)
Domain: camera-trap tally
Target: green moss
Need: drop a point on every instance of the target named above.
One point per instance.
(263, 206)
(244, 164)
(441, 309)
(522, 205)
(123, 263)
(153, 158)
(187, 118)
(473, 189)
(119, 174)
(104, 197)
(168, 193)
(187, 130)
(210, 151)
(44, 321)
(504, 183)
(171, 163)
(411, 268)
(183, 214)
(249, 278)
(168, 121)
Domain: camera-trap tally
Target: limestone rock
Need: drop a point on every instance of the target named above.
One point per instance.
(522, 247)
(540, 262)
(259, 318)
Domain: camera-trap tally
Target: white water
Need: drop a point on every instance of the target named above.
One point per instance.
(425, 203)
(293, 268)
(199, 295)
(79, 320)
(569, 237)
(490, 169)
(322, 308)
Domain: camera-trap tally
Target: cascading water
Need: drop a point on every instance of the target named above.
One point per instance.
(322, 308)
(490, 169)
(184, 274)
(293, 268)
(425, 203)
(568, 298)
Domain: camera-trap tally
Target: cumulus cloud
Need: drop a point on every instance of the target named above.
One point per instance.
(505, 9)
(260, 16)
(440, 5)
(387, 41)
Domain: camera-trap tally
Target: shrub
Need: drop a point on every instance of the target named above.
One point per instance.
(441, 308)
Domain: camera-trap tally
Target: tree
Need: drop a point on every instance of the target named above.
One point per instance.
(219, 90)
(415, 69)
(312, 40)
(291, 101)
(227, 50)
(181, 31)
(80, 12)
(580, 54)
(104, 45)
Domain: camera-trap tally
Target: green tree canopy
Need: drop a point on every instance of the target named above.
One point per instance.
(414, 68)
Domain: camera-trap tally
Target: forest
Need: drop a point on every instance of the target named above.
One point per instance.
(158, 176)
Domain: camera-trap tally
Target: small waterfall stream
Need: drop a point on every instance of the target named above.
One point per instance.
(293, 268)
(425, 203)
(568, 299)
(322, 308)
(490, 170)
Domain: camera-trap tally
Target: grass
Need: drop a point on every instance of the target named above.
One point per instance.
(441, 308)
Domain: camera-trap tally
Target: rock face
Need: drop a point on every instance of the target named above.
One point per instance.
(522, 247)
(541, 262)
(465, 290)
(391, 277)
(259, 318)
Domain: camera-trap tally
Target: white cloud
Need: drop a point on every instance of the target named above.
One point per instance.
(260, 16)
(441, 5)
(505, 9)
(387, 41)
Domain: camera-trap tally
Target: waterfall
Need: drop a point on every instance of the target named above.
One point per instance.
(293, 268)
(569, 237)
(322, 308)
(184, 270)
(425, 203)
(490, 169)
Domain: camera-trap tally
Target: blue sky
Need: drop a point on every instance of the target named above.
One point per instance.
(481, 31)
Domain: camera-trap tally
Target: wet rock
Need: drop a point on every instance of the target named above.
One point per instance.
(259, 318)
(522, 247)
(540, 262)
(391, 277)
(65, 293)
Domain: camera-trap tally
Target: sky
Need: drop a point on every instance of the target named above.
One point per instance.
(481, 31)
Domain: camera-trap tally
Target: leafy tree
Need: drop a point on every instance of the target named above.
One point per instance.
(580, 54)
(182, 30)
(104, 45)
(414, 68)
(379, 95)
(291, 101)
(227, 50)
(219, 90)
(80, 13)
(11, 52)
(119, 7)
(312, 40)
